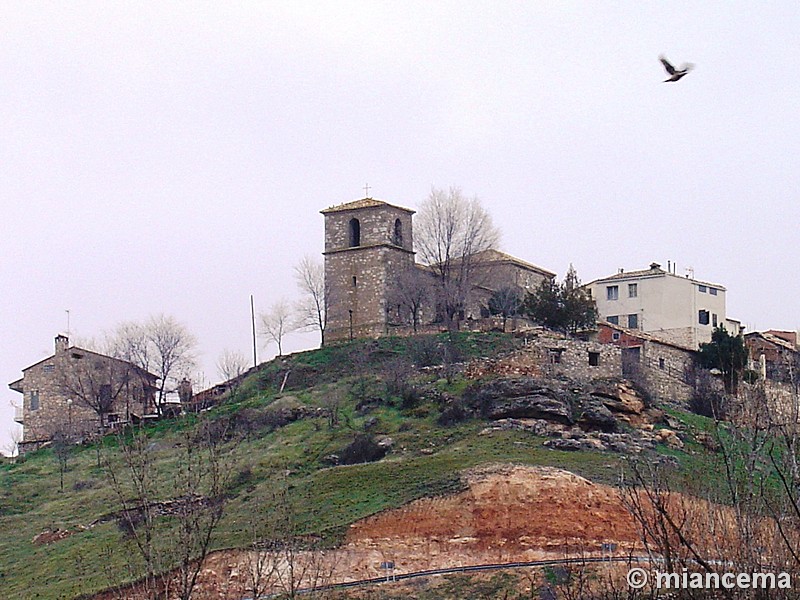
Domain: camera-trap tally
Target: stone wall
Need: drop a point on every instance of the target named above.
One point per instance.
(667, 372)
(549, 355)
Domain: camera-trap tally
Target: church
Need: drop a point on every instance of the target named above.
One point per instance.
(369, 251)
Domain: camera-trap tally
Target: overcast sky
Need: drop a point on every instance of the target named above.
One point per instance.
(173, 157)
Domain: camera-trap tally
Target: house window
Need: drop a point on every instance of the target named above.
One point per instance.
(633, 290)
(34, 399)
(614, 320)
(615, 336)
(554, 354)
(712, 291)
(662, 364)
(355, 281)
(702, 289)
(703, 317)
(594, 359)
(714, 320)
(633, 321)
(48, 368)
(612, 292)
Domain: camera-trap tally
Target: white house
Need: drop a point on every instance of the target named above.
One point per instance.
(677, 309)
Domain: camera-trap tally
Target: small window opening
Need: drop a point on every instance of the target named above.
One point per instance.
(355, 233)
(35, 400)
(594, 359)
(397, 238)
(355, 281)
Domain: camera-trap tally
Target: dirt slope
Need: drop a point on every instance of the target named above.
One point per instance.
(508, 513)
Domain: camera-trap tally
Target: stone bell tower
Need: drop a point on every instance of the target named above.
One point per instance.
(367, 242)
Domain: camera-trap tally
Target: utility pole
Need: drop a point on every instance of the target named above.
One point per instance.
(253, 319)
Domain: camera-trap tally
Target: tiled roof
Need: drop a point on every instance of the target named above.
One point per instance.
(773, 339)
(492, 255)
(642, 335)
(633, 274)
(363, 203)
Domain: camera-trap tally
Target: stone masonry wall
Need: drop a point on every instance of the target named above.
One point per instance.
(548, 355)
(666, 371)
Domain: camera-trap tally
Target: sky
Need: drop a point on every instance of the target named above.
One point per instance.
(173, 157)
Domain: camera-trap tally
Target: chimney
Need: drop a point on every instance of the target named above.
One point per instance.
(62, 343)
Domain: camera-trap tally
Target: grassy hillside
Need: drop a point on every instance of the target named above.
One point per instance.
(281, 440)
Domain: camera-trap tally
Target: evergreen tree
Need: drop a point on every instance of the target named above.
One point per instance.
(727, 353)
(565, 307)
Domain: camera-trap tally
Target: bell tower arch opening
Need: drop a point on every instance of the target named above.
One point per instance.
(355, 233)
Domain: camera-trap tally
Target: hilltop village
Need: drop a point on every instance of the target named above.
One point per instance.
(468, 412)
(650, 320)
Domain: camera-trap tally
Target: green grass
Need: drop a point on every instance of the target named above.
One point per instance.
(426, 460)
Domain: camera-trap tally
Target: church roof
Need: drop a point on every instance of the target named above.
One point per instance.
(492, 255)
(362, 203)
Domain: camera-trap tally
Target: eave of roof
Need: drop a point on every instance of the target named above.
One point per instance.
(84, 350)
(648, 273)
(363, 203)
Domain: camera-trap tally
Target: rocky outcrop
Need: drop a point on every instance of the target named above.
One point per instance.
(603, 415)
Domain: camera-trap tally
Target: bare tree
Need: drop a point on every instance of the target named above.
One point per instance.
(14, 439)
(98, 382)
(506, 302)
(409, 293)
(171, 521)
(312, 310)
(201, 481)
(276, 323)
(451, 231)
(283, 559)
(231, 365)
(132, 474)
(63, 443)
(162, 346)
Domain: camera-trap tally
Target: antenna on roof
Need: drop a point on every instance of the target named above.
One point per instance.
(366, 191)
(67, 311)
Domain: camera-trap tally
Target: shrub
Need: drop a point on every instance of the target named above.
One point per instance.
(361, 450)
(453, 413)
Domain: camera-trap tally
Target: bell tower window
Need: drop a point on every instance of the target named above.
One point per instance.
(355, 233)
(397, 238)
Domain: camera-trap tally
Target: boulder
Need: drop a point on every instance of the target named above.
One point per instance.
(523, 398)
(595, 415)
(532, 407)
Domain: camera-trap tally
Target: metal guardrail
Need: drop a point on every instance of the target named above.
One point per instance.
(464, 569)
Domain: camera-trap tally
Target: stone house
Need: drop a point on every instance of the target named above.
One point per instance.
(774, 355)
(79, 392)
(677, 309)
(665, 368)
(369, 248)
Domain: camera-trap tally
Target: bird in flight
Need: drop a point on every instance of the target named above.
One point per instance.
(674, 73)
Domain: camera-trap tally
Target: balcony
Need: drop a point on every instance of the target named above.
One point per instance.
(19, 414)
